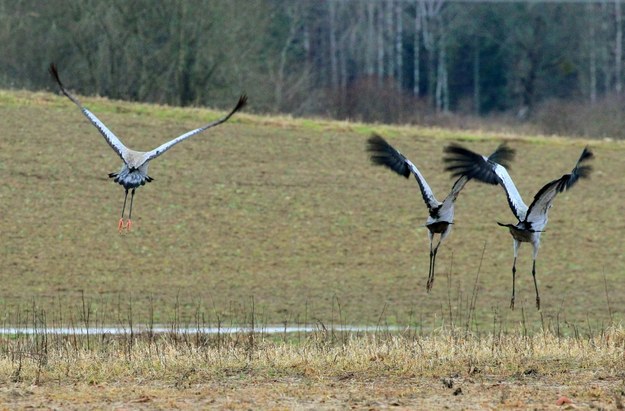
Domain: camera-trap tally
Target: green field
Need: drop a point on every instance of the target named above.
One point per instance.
(287, 220)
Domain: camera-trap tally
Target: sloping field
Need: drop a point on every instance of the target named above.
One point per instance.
(287, 220)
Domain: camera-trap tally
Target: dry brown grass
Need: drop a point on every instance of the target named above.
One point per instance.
(443, 368)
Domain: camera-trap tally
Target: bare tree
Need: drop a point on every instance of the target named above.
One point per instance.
(434, 41)
(605, 52)
(294, 14)
(442, 85)
(618, 47)
(388, 38)
(334, 64)
(399, 33)
(416, 44)
(476, 77)
(370, 37)
(310, 53)
(592, 51)
(380, 41)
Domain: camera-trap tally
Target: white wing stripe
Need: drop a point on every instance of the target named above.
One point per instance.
(164, 147)
(110, 138)
(518, 207)
(537, 215)
(426, 191)
(446, 211)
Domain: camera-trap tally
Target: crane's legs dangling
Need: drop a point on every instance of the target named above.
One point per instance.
(535, 285)
(428, 285)
(513, 282)
(516, 253)
(121, 226)
(132, 197)
(433, 252)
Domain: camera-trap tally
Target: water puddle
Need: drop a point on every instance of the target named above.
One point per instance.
(277, 329)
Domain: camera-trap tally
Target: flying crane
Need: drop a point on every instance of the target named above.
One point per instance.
(134, 170)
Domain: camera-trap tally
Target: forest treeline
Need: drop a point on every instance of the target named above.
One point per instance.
(558, 65)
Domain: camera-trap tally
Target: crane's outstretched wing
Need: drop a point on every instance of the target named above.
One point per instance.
(444, 212)
(110, 138)
(537, 212)
(164, 147)
(383, 154)
(490, 170)
(516, 203)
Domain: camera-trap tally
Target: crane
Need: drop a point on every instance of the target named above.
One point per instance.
(531, 220)
(441, 215)
(134, 171)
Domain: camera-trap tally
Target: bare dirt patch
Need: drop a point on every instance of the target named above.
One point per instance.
(306, 393)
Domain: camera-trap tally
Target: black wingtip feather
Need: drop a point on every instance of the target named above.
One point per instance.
(54, 72)
(464, 162)
(586, 155)
(503, 155)
(383, 154)
(241, 103)
(581, 170)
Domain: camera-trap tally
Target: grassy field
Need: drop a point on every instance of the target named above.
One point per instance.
(274, 220)
(288, 217)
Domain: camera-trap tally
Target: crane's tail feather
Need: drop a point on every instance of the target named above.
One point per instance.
(130, 180)
(383, 154)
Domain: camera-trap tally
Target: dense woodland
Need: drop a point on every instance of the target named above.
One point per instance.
(558, 65)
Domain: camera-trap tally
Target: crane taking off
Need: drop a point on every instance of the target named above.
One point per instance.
(531, 220)
(441, 215)
(134, 171)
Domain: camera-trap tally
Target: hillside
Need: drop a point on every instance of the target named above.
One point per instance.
(286, 219)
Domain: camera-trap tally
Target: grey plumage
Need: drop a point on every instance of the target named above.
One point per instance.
(531, 221)
(441, 214)
(134, 170)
